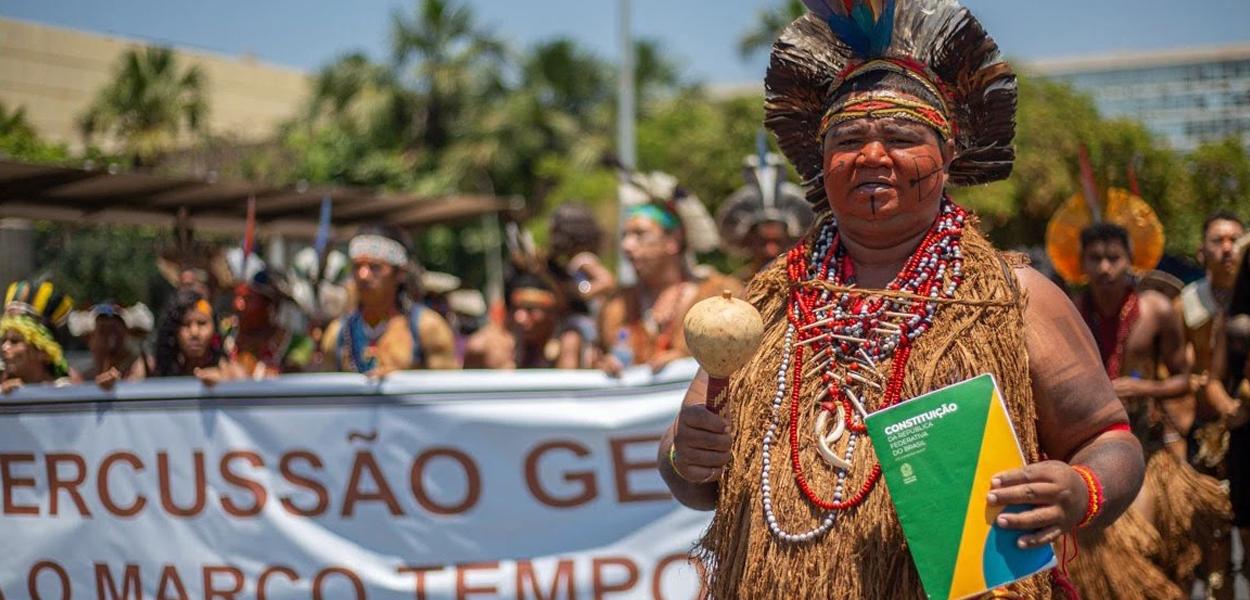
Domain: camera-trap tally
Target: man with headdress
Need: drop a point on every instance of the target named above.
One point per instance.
(187, 263)
(387, 330)
(536, 334)
(31, 353)
(1139, 337)
(765, 218)
(114, 336)
(665, 226)
(893, 294)
(261, 341)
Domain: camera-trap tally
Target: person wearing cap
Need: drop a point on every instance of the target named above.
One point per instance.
(387, 330)
(892, 294)
(643, 324)
(114, 336)
(31, 353)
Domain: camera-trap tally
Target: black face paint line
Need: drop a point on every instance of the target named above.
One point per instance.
(928, 178)
(872, 203)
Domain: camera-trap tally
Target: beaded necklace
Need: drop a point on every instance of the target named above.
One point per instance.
(848, 332)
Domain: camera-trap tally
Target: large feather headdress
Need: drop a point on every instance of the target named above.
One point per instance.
(938, 40)
(766, 198)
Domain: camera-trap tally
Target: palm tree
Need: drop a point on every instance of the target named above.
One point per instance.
(654, 74)
(148, 105)
(451, 61)
(770, 24)
(14, 122)
(567, 77)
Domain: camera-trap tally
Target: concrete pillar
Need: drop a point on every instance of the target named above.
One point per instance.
(17, 250)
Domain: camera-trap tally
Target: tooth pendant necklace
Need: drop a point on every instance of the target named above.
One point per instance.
(844, 337)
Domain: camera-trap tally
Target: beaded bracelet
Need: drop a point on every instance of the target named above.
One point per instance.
(1096, 498)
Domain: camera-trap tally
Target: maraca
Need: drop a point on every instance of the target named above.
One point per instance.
(722, 333)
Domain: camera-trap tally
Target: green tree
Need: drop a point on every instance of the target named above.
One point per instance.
(1053, 122)
(20, 141)
(452, 62)
(150, 103)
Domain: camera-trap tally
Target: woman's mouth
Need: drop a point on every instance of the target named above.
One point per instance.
(872, 187)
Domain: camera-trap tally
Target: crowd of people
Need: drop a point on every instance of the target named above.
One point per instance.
(373, 309)
(1128, 395)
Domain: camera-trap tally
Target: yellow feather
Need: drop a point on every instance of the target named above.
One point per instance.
(11, 293)
(62, 310)
(42, 297)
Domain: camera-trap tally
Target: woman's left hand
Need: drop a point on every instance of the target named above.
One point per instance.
(1056, 494)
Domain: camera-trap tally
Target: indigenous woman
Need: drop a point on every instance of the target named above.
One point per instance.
(188, 342)
(880, 105)
(30, 351)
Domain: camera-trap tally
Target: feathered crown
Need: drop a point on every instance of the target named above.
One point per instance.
(766, 197)
(937, 42)
(39, 300)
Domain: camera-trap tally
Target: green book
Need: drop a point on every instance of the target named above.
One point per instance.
(938, 453)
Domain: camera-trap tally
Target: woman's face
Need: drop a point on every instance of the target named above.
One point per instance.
(884, 178)
(195, 334)
(19, 355)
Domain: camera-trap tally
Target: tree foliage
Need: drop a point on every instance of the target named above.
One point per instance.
(150, 103)
(453, 109)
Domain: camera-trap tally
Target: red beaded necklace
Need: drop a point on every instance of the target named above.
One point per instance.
(855, 330)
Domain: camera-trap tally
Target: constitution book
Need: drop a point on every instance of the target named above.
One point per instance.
(938, 453)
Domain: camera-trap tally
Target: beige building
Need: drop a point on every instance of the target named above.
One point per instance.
(54, 73)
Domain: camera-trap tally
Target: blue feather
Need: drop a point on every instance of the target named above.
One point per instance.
(323, 228)
(867, 35)
(848, 31)
(884, 34)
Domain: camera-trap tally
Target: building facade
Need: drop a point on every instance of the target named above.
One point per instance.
(54, 73)
(1186, 96)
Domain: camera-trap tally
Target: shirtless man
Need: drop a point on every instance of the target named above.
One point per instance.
(1141, 341)
(537, 334)
(386, 331)
(1203, 304)
(642, 324)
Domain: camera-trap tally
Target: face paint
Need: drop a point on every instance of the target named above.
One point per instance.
(925, 180)
(884, 171)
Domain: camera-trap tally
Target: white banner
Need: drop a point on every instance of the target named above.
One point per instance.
(427, 485)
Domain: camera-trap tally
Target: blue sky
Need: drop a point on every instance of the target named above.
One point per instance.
(700, 34)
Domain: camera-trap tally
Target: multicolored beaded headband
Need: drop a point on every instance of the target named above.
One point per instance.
(378, 247)
(880, 105)
(885, 104)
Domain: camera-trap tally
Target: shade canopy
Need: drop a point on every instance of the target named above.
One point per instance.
(107, 196)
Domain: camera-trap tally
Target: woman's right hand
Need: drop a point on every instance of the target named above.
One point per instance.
(703, 442)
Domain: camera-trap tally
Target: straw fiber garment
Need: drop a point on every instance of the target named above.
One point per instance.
(1122, 561)
(1190, 511)
(865, 555)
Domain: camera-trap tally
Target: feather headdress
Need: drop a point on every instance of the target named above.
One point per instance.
(937, 41)
(766, 198)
